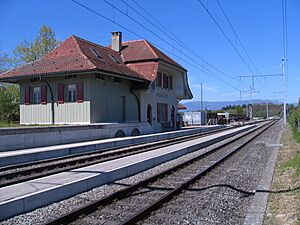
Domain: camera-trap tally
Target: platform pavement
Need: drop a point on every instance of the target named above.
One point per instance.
(26, 196)
(12, 157)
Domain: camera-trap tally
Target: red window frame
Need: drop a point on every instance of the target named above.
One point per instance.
(79, 90)
(27, 96)
(61, 94)
(44, 95)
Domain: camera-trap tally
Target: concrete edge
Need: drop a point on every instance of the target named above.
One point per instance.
(256, 213)
(69, 149)
(32, 201)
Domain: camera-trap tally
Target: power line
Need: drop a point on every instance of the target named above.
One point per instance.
(138, 35)
(243, 47)
(235, 33)
(168, 33)
(168, 43)
(228, 39)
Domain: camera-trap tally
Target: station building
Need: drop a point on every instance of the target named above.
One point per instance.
(81, 82)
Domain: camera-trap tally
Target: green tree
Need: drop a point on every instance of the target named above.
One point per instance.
(239, 109)
(26, 52)
(45, 42)
(5, 61)
(9, 93)
(9, 102)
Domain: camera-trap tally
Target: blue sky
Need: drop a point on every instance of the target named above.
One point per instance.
(257, 23)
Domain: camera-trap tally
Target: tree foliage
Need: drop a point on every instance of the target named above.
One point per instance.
(235, 109)
(9, 93)
(26, 52)
(5, 61)
(45, 42)
(294, 117)
(9, 102)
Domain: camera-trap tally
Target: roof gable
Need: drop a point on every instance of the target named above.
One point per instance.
(142, 50)
(75, 55)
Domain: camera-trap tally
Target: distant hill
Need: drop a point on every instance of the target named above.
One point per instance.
(196, 105)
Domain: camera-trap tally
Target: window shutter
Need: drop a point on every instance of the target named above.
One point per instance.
(44, 95)
(61, 93)
(79, 90)
(158, 112)
(27, 96)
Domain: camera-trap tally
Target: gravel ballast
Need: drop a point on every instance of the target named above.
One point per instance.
(212, 200)
(47, 213)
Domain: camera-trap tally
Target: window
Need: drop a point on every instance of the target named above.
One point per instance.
(71, 92)
(36, 95)
(96, 53)
(27, 96)
(70, 76)
(99, 76)
(114, 59)
(170, 83)
(158, 79)
(162, 112)
(117, 79)
(165, 81)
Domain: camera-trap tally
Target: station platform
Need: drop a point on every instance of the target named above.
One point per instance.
(27, 196)
(12, 157)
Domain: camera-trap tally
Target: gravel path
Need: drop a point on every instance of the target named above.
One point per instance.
(54, 210)
(221, 205)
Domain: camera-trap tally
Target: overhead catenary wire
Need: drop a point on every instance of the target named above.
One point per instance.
(205, 70)
(239, 40)
(236, 35)
(246, 52)
(173, 37)
(171, 45)
(227, 38)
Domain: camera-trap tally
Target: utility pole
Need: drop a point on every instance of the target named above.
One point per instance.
(267, 109)
(201, 98)
(284, 94)
(252, 90)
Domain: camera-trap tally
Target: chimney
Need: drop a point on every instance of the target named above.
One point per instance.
(116, 41)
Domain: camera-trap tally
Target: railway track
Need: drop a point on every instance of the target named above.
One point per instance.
(144, 197)
(10, 175)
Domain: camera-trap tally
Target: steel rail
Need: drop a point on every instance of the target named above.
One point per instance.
(89, 159)
(91, 207)
(142, 214)
(107, 150)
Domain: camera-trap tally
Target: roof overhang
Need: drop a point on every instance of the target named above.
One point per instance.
(16, 79)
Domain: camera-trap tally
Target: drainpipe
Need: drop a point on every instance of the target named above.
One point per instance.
(139, 104)
(52, 99)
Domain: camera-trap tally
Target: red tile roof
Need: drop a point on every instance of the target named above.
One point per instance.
(181, 107)
(138, 59)
(147, 69)
(75, 55)
(142, 50)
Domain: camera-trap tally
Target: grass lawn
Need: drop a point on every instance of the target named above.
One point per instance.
(296, 134)
(284, 208)
(4, 124)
